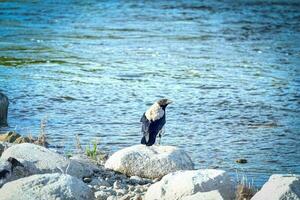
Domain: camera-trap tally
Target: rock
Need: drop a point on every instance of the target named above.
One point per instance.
(24, 140)
(149, 162)
(85, 161)
(138, 197)
(101, 195)
(121, 192)
(11, 169)
(117, 185)
(38, 160)
(13, 137)
(10, 137)
(241, 161)
(104, 183)
(180, 184)
(136, 180)
(102, 187)
(45, 187)
(5, 171)
(112, 198)
(94, 181)
(125, 197)
(4, 146)
(280, 187)
(212, 195)
(88, 180)
(131, 188)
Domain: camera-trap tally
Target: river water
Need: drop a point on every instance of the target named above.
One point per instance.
(92, 68)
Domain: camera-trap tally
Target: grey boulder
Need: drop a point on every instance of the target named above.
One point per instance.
(209, 183)
(46, 187)
(38, 160)
(280, 187)
(149, 161)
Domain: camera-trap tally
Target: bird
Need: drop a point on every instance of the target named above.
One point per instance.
(153, 121)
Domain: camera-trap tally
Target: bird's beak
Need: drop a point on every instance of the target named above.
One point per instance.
(169, 101)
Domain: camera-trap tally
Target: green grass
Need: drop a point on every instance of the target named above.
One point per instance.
(92, 152)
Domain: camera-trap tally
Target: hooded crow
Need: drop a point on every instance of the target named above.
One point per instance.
(153, 121)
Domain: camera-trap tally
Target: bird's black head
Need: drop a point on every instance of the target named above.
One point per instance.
(164, 102)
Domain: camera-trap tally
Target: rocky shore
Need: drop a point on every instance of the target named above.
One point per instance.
(32, 172)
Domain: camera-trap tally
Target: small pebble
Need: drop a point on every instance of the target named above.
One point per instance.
(137, 190)
(87, 179)
(102, 187)
(126, 197)
(131, 188)
(112, 198)
(138, 197)
(116, 185)
(104, 183)
(101, 195)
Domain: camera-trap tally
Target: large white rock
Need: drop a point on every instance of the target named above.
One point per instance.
(212, 195)
(38, 160)
(149, 162)
(280, 187)
(46, 187)
(181, 184)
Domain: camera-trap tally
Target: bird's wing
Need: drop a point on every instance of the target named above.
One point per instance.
(145, 127)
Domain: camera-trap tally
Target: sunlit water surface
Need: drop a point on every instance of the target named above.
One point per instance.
(93, 68)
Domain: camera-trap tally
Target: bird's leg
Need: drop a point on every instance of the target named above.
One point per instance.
(160, 134)
(159, 139)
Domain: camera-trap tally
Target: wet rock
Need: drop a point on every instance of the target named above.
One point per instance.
(24, 140)
(45, 187)
(280, 187)
(241, 161)
(38, 160)
(157, 161)
(10, 137)
(187, 183)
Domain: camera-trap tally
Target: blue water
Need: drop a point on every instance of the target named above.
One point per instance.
(92, 68)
